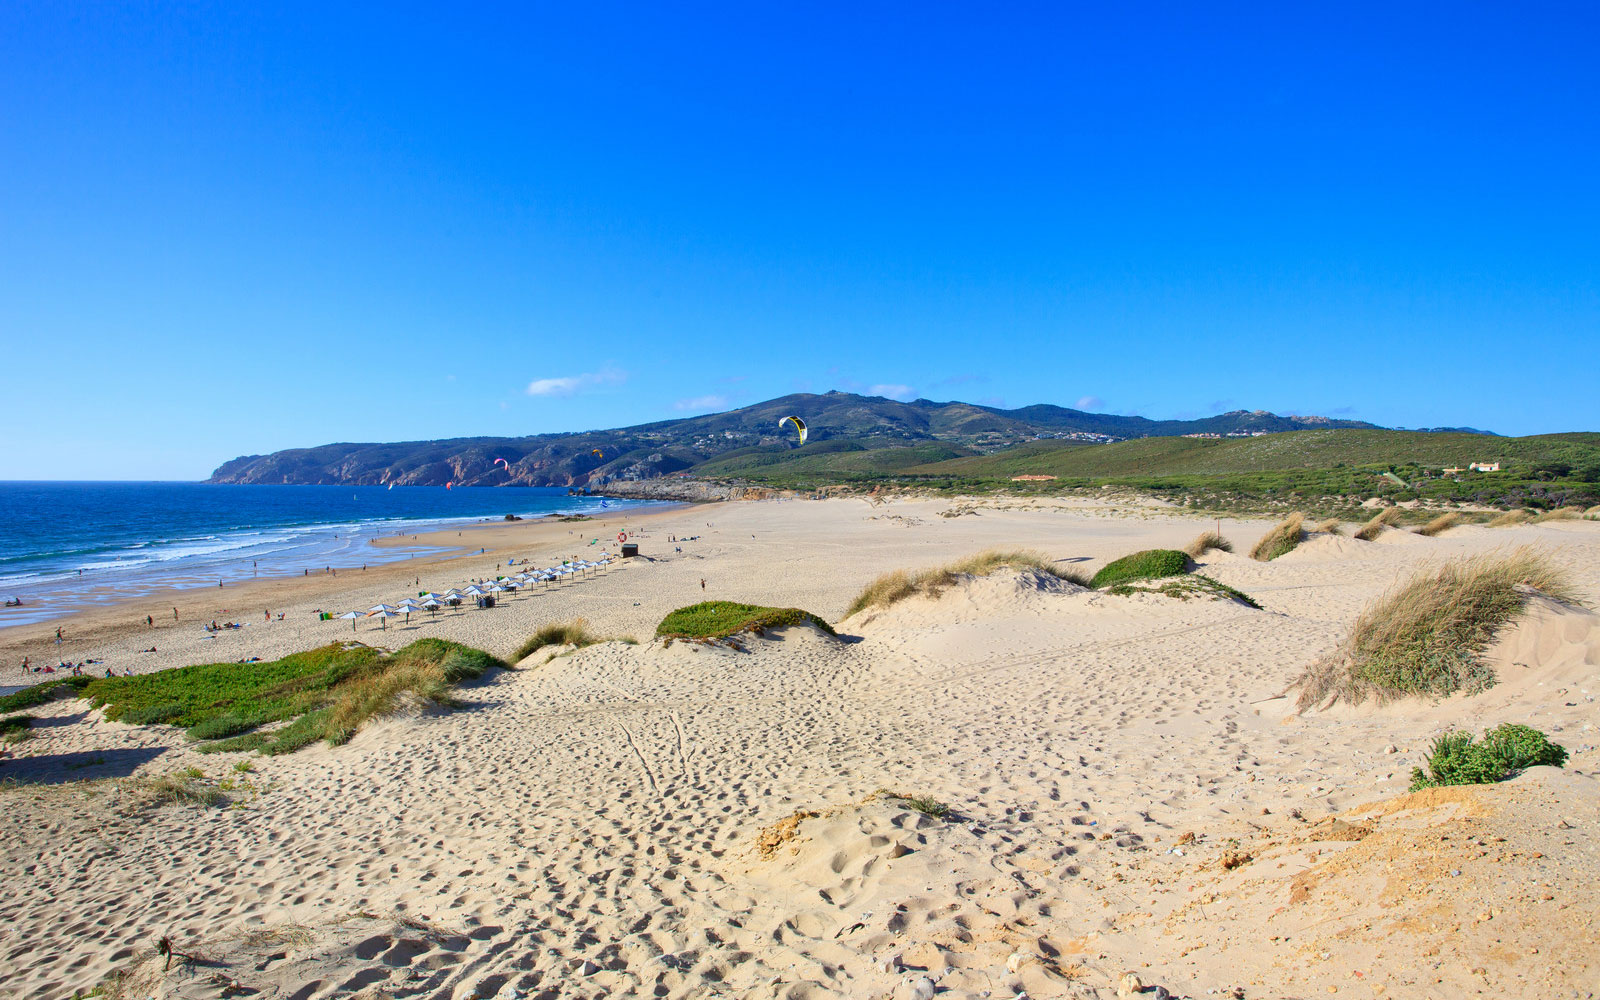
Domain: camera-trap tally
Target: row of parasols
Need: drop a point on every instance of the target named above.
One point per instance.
(434, 603)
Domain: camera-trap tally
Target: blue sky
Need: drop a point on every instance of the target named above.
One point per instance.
(226, 232)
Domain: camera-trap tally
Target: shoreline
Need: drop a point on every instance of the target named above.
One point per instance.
(443, 553)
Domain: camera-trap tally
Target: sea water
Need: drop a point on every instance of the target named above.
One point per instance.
(64, 546)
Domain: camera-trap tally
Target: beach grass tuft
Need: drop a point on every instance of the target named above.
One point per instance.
(1150, 564)
(1332, 526)
(573, 633)
(1386, 518)
(1440, 524)
(1205, 542)
(1282, 539)
(1560, 514)
(721, 619)
(1509, 518)
(323, 694)
(1426, 636)
(896, 586)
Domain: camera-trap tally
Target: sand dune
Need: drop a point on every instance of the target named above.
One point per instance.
(693, 820)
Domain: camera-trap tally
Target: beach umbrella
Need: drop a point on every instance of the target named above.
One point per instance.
(381, 607)
(351, 616)
(382, 617)
(431, 606)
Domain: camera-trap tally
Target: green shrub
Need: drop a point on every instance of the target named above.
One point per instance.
(719, 619)
(1151, 564)
(1503, 753)
(325, 693)
(39, 694)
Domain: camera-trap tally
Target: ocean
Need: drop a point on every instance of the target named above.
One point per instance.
(64, 546)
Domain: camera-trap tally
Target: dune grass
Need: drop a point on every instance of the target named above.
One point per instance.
(1150, 564)
(1560, 514)
(1440, 524)
(322, 694)
(1281, 540)
(720, 619)
(1386, 518)
(1205, 542)
(14, 728)
(1426, 636)
(573, 633)
(896, 586)
(1332, 526)
(1509, 518)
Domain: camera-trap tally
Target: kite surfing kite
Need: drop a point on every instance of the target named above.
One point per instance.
(799, 425)
(450, 485)
(597, 453)
(501, 461)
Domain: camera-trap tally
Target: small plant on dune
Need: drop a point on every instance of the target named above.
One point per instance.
(1503, 753)
(1509, 518)
(1560, 514)
(573, 633)
(186, 787)
(1440, 524)
(1281, 540)
(1185, 587)
(1386, 518)
(921, 803)
(1426, 636)
(721, 619)
(1151, 564)
(1332, 526)
(14, 728)
(1205, 542)
(896, 586)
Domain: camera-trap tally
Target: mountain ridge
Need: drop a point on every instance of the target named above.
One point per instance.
(667, 447)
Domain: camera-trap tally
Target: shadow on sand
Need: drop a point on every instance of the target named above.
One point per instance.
(59, 768)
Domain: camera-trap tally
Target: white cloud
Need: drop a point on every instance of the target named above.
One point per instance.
(566, 385)
(702, 403)
(893, 391)
(1089, 403)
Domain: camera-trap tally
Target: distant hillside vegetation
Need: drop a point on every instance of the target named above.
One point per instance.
(730, 443)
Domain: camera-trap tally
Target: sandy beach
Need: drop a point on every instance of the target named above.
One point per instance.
(1130, 790)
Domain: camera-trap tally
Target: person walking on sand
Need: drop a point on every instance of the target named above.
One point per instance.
(174, 614)
(702, 583)
(148, 620)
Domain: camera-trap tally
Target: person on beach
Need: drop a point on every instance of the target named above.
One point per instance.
(266, 615)
(174, 614)
(148, 620)
(702, 583)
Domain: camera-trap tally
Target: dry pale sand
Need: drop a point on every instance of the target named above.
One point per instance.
(1130, 792)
